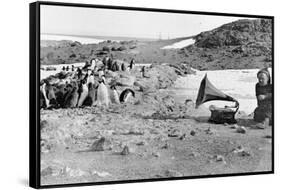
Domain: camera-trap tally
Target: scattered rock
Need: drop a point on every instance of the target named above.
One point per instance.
(74, 172)
(100, 174)
(268, 136)
(165, 146)
(52, 170)
(219, 158)
(173, 173)
(43, 124)
(174, 133)
(141, 143)
(125, 151)
(135, 132)
(244, 153)
(156, 154)
(183, 137)
(192, 133)
(194, 154)
(235, 126)
(240, 151)
(241, 129)
(209, 131)
(47, 171)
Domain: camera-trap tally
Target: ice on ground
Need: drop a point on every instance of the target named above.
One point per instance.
(83, 40)
(44, 73)
(180, 44)
(239, 84)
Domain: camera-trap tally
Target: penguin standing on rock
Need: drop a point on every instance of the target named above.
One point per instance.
(92, 95)
(44, 100)
(126, 94)
(90, 78)
(114, 96)
(71, 99)
(102, 94)
(83, 92)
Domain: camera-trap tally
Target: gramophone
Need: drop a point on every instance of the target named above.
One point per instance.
(208, 92)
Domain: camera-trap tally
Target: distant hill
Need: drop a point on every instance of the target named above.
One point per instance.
(243, 44)
(241, 32)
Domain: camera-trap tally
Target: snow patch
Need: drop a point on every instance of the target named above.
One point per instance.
(239, 84)
(180, 44)
(82, 40)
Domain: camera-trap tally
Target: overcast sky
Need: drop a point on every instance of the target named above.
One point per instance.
(124, 23)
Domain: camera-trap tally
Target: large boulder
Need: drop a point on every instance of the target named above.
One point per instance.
(125, 79)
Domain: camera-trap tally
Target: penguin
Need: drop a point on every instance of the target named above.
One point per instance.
(114, 66)
(67, 68)
(60, 94)
(49, 93)
(72, 68)
(132, 63)
(109, 63)
(101, 73)
(123, 67)
(45, 101)
(102, 94)
(114, 96)
(83, 92)
(143, 71)
(91, 79)
(105, 61)
(72, 97)
(79, 73)
(92, 95)
(126, 94)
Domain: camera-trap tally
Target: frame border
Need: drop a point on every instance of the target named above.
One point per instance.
(34, 101)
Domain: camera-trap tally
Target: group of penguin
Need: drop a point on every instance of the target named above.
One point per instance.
(110, 64)
(81, 88)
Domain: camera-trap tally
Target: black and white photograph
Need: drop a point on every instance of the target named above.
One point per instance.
(135, 94)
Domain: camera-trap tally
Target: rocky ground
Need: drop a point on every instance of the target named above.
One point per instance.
(140, 141)
(155, 135)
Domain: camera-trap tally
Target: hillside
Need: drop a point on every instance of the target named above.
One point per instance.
(243, 44)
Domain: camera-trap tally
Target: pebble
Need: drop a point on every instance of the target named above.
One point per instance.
(194, 154)
(100, 174)
(209, 131)
(173, 173)
(244, 153)
(268, 136)
(141, 143)
(192, 133)
(156, 154)
(165, 146)
(47, 171)
(241, 129)
(174, 133)
(219, 158)
(74, 172)
(235, 126)
(183, 137)
(43, 124)
(135, 132)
